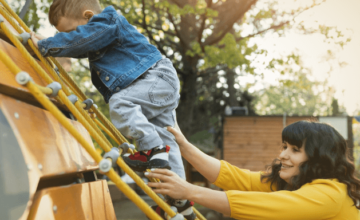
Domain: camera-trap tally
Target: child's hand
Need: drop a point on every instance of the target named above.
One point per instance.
(35, 38)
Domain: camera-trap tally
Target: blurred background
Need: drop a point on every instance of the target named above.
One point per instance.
(243, 58)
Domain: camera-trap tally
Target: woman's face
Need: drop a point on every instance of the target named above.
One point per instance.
(291, 158)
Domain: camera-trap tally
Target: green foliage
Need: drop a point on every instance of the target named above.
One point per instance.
(32, 18)
(293, 97)
(356, 134)
(295, 94)
(206, 43)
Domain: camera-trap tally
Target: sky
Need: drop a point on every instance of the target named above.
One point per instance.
(344, 14)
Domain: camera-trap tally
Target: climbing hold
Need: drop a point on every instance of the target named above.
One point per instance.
(25, 37)
(88, 103)
(55, 86)
(113, 154)
(23, 78)
(73, 98)
(178, 216)
(126, 146)
(104, 165)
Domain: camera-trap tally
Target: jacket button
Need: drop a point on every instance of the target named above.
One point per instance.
(107, 78)
(117, 89)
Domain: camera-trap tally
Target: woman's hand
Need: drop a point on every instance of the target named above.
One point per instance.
(179, 137)
(177, 188)
(171, 184)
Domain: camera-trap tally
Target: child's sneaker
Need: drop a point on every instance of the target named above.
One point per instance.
(154, 158)
(184, 207)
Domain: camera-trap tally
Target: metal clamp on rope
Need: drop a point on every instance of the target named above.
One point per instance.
(113, 154)
(56, 87)
(95, 105)
(88, 103)
(105, 166)
(25, 37)
(178, 216)
(73, 98)
(126, 146)
(23, 78)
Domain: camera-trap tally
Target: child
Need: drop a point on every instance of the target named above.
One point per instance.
(141, 87)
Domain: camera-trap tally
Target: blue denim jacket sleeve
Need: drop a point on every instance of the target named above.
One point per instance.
(98, 33)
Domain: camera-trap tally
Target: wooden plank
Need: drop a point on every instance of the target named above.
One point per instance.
(96, 196)
(8, 84)
(7, 78)
(45, 140)
(47, 147)
(12, 30)
(86, 201)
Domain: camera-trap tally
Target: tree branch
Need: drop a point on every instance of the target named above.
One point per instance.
(230, 26)
(83, 65)
(156, 28)
(274, 27)
(201, 31)
(176, 30)
(149, 32)
(210, 71)
(25, 8)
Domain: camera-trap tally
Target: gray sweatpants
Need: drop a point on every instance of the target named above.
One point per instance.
(142, 110)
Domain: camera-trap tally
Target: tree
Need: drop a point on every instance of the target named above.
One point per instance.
(207, 42)
(29, 11)
(295, 94)
(204, 38)
(294, 97)
(25, 8)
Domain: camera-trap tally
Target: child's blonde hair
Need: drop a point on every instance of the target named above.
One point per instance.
(71, 9)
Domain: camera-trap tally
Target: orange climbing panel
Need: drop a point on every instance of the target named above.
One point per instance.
(8, 85)
(87, 201)
(45, 147)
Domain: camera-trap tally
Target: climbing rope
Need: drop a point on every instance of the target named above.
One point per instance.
(75, 104)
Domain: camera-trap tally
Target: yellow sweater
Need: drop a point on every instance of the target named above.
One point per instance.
(249, 198)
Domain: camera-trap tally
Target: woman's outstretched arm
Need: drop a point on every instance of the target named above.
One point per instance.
(208, 166)
(177, 188)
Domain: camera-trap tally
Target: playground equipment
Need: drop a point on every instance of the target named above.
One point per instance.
(47, 158)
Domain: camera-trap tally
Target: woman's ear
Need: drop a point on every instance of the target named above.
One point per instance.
(87, 14)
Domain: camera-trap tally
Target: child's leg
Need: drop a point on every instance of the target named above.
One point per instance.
(153, 94)
(127, 116)
(175, 160)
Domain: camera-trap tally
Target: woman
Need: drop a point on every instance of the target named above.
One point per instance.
(312, 179)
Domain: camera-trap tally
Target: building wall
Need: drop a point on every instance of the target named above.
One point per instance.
(253, 142)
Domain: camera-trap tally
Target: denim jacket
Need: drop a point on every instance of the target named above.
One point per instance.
(118, 54)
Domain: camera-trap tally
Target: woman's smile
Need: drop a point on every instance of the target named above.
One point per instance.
(291, 158)
(283, 166)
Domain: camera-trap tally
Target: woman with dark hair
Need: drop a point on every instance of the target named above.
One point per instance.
(313, 178)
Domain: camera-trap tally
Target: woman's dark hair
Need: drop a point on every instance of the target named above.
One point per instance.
(328, 158)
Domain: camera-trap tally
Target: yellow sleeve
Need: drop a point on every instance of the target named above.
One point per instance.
(234, 178)
(321, 199)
